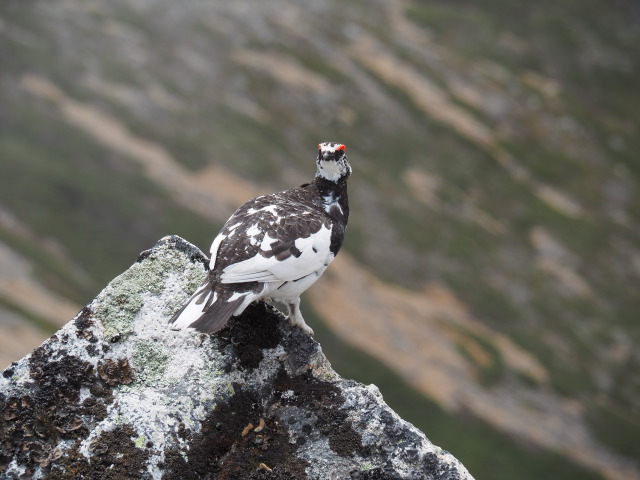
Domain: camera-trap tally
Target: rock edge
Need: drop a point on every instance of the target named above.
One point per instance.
(116, 394)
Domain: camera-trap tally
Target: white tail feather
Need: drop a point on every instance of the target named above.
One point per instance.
(192, 311)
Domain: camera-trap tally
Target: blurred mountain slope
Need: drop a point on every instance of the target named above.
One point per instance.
(494, 150)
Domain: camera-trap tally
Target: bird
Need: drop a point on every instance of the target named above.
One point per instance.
(274, 247)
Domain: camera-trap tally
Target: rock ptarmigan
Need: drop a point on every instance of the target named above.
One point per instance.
(274, 246)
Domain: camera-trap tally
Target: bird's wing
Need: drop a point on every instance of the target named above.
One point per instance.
(283, 259)
(272, 240)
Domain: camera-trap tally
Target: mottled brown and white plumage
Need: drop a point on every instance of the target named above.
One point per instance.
(274, 246)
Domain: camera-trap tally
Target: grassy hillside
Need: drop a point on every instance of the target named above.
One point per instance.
(494, 148)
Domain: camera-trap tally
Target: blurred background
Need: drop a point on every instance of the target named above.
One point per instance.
(489, 283)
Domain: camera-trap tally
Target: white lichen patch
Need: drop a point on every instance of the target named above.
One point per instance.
(323, 461)
(177, 290)
(18, 379)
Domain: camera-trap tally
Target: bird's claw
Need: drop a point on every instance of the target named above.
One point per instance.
(300, 323)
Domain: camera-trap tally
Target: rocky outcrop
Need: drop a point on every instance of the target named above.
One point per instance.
(115, 394)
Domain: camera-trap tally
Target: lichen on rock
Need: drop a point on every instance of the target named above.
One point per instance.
(117, 394)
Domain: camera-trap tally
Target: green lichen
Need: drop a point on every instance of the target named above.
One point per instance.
(170, 261)
(230, 390)
(366, 466)
(122, 300)
(139, 442)
(120, 420)
(210, 378)
(151, 360)
(124, 296)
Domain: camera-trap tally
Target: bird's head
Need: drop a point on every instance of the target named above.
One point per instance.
(332, 162)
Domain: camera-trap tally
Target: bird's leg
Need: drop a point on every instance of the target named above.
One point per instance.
(295, 316)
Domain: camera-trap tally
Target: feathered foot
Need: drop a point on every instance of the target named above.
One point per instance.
(295, 316)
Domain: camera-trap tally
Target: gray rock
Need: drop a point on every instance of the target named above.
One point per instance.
(116, 394)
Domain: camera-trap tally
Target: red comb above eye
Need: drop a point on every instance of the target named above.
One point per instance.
(341, 147)
(319, 146)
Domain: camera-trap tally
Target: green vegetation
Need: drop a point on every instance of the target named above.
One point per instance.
(572, 127)
(37, 322)
(102, 211)
(486, 453)
(55, 272)
(490, 369)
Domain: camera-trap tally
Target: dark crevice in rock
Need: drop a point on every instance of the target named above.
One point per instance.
(115, 372)
(325, 400)
(33, 424)
(220, 451)
(434, 467)
(114, 456)
(83, 320)
(248, 334)
(300, 348)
